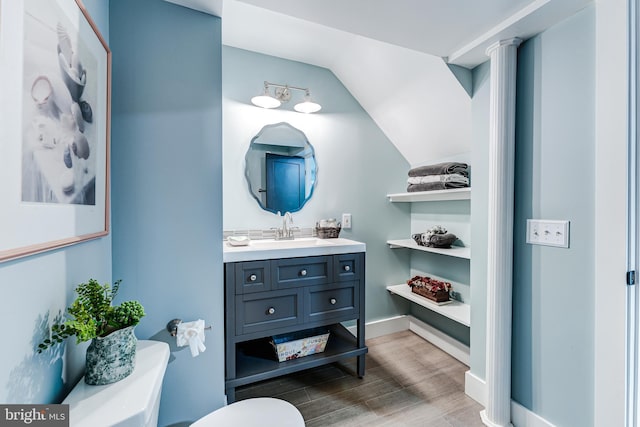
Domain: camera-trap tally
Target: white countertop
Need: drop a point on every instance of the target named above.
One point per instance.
(301, 247)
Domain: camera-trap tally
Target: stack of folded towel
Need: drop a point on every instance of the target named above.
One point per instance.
(440, 176)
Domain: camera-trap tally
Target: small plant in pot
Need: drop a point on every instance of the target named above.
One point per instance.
(111, 354)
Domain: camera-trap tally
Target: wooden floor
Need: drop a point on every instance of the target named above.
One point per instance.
(407, 382)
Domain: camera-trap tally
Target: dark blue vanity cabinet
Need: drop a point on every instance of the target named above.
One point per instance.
(271, 297)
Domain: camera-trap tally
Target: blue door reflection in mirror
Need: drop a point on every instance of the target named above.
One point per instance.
(290, 183)
(285, 182)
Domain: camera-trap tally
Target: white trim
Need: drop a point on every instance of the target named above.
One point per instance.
(382, 327)
(610, 211)
(475, 388)
(441, 340)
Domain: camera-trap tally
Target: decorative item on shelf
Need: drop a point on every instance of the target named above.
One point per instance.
(111, 355)
(300, 344)
(328, 228)
(435, 237)
(428, 287)
(440, 176)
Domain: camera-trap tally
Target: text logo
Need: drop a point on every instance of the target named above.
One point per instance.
(34, 415)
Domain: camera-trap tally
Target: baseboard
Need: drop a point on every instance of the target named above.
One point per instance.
(441, 340)
(382, 327)
(394, 324)
(476, 388)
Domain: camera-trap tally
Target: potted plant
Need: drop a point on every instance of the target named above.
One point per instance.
(111, 354)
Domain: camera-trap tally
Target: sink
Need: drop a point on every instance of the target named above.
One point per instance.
(300, 247)
(295, 243)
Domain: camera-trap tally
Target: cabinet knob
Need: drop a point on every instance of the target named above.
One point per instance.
(253, 278)
(333, 301)
(303, 272)
(347, 268)
(271, 310)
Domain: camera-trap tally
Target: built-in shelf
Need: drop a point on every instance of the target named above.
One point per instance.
(456, 310)
(454, 251)
(432, 196)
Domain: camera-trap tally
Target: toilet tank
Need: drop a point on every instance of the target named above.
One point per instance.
(131, 402)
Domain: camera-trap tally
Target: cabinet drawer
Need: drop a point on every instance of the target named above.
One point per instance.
(252, 276)
(266, 311)
(324, 302)
(348, 267)
(295, 272)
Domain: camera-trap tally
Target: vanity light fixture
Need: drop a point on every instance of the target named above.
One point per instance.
(282, 94)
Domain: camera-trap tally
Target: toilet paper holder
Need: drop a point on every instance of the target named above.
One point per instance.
(172, 327)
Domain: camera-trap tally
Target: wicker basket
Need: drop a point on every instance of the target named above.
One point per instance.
(434, 289)
(328, 232)
(437, 296)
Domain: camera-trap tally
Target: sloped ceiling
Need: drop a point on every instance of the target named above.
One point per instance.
(392, 56)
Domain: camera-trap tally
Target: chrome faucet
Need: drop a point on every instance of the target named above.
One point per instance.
(286, 231)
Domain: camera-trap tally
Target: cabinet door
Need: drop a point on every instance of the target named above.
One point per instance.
(335, 302)
(252, 276)
(348, 267)
(264, 311)
(295, 272)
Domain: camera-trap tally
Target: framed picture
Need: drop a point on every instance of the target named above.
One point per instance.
(55, 83)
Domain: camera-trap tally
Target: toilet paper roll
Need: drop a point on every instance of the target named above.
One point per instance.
(191, 334)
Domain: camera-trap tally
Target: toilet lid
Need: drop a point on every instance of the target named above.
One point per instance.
(259, 412)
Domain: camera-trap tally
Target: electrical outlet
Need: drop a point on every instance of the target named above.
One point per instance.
(548, 233)
(346, 221)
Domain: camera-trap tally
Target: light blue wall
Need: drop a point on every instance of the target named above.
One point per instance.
(167, 187)
(554, 289)
(37, 289)
(479, 217)
(357, 165)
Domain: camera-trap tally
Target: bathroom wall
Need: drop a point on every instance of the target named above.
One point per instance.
(357, 165)
(167, 187)
(36, 290)
(479, 219)
(554, 288)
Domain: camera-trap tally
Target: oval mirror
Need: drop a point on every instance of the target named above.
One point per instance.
(280, 168)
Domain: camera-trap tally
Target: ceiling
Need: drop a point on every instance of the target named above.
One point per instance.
(392, 56)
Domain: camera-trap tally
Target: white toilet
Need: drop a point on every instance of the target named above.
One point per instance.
(135, 400)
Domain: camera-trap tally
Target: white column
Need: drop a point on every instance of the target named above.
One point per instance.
(502, 105)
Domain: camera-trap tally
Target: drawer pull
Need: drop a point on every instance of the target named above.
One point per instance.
(333, 301)
(253, 278)
(347, 268)
(303, 272)
(271, 310)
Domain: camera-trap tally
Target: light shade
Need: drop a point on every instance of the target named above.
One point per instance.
(265, 100)
(307, 106)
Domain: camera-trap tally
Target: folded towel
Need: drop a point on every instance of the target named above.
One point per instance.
(441, 169)
(429, 186)
(454, 177)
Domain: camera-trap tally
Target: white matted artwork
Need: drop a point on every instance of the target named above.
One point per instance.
(54, 127)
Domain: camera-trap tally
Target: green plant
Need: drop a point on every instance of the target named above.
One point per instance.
(93, 314)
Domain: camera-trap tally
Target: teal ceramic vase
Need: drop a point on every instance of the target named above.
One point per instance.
(111, 358)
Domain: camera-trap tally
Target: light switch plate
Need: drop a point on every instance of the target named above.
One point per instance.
(548, 232)
(346, 221)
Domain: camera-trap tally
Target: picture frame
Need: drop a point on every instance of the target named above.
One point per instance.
(55, 70)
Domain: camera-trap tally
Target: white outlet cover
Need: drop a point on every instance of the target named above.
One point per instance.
(548, 232)
(346, 220)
